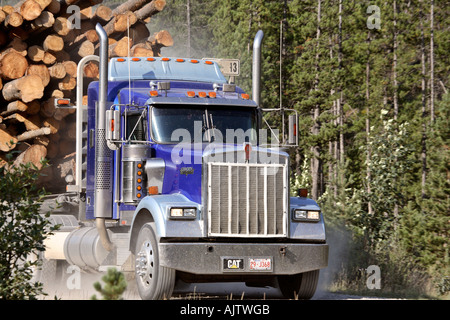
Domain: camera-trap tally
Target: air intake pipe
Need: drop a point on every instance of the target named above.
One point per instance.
(256, 68)
(103, 155)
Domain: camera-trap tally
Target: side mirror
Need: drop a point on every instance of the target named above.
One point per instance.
(112, 125)
(285, 138)
(293, 136)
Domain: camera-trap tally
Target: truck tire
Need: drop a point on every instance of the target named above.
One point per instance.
(154, 281)
(299, 286)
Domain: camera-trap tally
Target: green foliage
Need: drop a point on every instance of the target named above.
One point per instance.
(115, 285)
(389, 164)
(23, 230)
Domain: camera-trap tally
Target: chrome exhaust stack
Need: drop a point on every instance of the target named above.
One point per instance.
(256, 67)
(103, 155)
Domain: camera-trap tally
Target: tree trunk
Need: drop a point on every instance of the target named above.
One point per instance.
(7, 141)
(188, 24)
(36, 53)
(13, 107)
(57, 71)
(150, 9)
(27, 88)
(14, 19)
(131, 5)
(61, 27)
(315, 160)
(30, 10)
(369, 152)
(432, 112)
(40, 70)
(340, 99)
(71, 68)
(13, 66)
(424, 110)
(120, 48)
(28, 135)
(53, 43)
(103, 13)
(395, 62)
(34, 154)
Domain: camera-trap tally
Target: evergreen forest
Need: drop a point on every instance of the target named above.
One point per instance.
(369, 80)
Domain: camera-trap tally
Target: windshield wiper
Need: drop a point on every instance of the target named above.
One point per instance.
(212, 127)
(208, 120)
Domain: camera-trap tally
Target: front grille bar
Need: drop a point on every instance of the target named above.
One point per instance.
(247, 199)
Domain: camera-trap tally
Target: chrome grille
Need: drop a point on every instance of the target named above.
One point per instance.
(247, 199)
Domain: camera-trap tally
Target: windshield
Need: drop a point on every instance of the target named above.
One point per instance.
(174, 124)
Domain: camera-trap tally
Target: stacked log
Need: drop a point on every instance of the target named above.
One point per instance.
(41, 43)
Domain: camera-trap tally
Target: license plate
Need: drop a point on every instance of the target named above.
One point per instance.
(259, 264)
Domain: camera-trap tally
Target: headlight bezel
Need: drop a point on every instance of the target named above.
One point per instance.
(182, 213)
(305, 215)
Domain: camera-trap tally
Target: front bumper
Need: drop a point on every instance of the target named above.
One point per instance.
(208, 258)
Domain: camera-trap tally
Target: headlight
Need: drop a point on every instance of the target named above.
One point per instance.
(187, 213)
(305, 215)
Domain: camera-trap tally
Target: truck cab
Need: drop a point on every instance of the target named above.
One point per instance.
(177, 180)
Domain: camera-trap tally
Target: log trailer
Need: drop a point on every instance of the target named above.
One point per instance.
(160, 192)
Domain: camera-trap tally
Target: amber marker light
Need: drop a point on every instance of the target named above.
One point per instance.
(62, 101)
(153, 190)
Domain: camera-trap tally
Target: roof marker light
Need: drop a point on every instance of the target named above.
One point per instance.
(153, 93)
(190, 94)
(151, 59)
(136, 59)
(212, 94)
(120, 60)
(245, 96)
(208, 62)
(165, 59)
(202, 94)
(179, 60)
(194, 61)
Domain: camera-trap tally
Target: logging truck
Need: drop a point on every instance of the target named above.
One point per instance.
(163, 192)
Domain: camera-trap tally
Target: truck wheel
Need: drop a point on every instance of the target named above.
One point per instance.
(154, 281)
(299, 286)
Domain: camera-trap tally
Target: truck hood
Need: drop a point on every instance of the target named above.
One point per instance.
(183, 173)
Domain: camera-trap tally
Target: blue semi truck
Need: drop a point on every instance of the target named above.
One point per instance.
(173, 182)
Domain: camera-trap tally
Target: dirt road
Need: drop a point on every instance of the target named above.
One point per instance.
(199, 291)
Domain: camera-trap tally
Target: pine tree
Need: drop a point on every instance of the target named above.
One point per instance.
(114, 287)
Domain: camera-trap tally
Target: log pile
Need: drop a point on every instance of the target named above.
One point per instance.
(41, 43)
